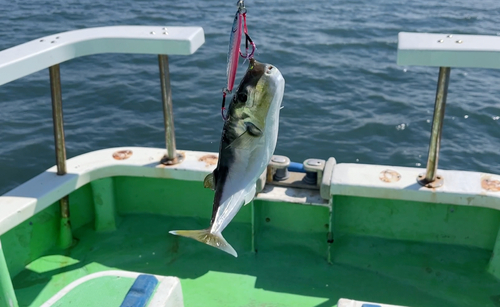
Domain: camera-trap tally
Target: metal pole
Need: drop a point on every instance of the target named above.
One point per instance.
(168, 115)
(65, 235)
(431, 179)
(57, 115)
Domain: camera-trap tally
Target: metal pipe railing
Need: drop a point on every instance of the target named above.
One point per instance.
(171, 157)
(168, 115)
(431, 179)
(57, 116)
(65, 234)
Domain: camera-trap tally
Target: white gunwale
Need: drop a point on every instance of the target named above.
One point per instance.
(448, 50)
(461, 188)
(30, 57)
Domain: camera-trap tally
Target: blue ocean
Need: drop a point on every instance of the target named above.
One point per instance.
(345, 96)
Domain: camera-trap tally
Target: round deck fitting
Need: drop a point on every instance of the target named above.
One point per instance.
(490, 185)
(389, 175)
(178, 159)
(122, 154)
(430, 184)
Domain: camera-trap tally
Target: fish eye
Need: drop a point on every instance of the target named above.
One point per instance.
(242, 97)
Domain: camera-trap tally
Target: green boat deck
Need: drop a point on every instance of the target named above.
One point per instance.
(283, 264)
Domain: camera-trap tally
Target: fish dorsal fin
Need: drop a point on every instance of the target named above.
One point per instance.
(251, 133)
(209, 181)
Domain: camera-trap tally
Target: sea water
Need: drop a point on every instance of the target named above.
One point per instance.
(345, 96)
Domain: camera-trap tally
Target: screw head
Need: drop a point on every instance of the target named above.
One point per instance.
(152, 32)
(440, 41)
(459, 41)
(450, 36)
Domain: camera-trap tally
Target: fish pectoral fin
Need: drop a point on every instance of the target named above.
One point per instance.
(205, 236)
(209, 181)
(253, 130)
(246, 138)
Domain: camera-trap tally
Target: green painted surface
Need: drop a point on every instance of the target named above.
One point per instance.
(81, 206)
(102, 291)
(31, 239)
(7, 294)
(494, 264)
(413, 221)
(167, 197)
(282, 274)
(65, 233)
(291, 226)
(35, 236)
(104, 204)
(405, 256)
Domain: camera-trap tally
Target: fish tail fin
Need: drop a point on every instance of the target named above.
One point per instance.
(205, 236)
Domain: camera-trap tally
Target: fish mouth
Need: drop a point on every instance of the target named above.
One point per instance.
(270, 69)
(261, 68)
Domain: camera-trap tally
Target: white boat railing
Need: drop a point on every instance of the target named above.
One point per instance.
(50, 51)
(445, 51)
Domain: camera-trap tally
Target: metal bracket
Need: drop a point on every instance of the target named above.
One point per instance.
(437, 183)
(167, 161)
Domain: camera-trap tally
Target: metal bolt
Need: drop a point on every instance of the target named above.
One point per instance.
(459, 41)
(450, 36)
(41, 40)
(314, 162)
(152, 32)
(278, 159)
(165, 29)
(165, 33)
(53, 42)
(440, 41)
(57, 37)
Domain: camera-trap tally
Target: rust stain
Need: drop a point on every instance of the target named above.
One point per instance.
(490, 184)
(389, 176)
(122, 154)
(209, 160)
(181, 156)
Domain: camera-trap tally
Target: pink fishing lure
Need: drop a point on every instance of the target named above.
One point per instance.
(239, 26)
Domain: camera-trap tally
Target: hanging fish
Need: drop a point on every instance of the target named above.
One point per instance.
(239, 26)
(248, 141)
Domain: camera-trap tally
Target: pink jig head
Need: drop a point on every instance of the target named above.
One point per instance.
(239, 26)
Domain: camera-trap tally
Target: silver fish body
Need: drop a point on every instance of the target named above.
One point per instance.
(248, 141)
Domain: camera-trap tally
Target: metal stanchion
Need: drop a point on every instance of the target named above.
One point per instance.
(430, 179)
(65, 234)
(166, 93)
